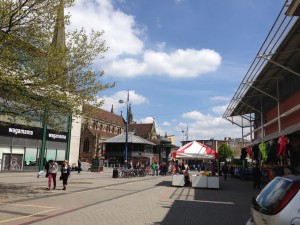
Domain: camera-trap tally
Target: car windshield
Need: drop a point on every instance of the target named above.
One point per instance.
(271, 196)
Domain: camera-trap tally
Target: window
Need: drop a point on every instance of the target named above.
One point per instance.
(274, 193)
(86, 145)
(60, 155)
(30, 157)
(51, 154)
(233, 144)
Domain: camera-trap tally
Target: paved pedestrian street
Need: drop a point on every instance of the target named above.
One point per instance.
(97, 198)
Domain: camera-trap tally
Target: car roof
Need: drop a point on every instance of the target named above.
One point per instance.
(292, 177)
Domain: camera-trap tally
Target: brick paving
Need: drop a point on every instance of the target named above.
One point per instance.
(97, 198)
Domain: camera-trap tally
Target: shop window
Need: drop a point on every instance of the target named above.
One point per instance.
(60, 155)
(30, 157)
(51, 154)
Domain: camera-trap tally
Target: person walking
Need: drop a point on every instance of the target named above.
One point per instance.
(225, 171)
(52, 172)
(156, 169)
(65, 173)
(256, 174)
(163, 169)
(79, 165)
(153, 168)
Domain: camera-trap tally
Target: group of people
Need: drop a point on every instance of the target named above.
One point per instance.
(267, 172)
(154, 168)
(161, 169)
(261, 175)
(52, 170)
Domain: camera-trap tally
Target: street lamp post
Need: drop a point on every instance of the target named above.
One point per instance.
(126, 133)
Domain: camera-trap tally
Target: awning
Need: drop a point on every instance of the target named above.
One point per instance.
(196, 150)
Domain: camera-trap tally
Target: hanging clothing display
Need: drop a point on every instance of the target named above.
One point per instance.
(263, 149)
(255, 151)
(282, 141)
(270, 147)
(249, 151)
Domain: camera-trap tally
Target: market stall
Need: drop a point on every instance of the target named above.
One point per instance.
(193, 151)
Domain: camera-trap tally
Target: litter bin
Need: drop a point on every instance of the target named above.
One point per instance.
(115, 173)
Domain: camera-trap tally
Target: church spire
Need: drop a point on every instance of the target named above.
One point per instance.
(58, 39)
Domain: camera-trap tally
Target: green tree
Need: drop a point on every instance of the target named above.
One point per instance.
(43, 66)
(225, 152)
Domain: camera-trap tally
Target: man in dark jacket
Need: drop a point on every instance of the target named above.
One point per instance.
(225, 171)
(79, 165)
(256, 174)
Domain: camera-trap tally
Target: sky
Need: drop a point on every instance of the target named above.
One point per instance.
(180, 60)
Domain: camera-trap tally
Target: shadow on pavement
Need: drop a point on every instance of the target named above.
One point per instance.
(229, 205)
(165, 184)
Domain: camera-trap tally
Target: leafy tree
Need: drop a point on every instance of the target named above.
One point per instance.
(225, 152)
(43, 66)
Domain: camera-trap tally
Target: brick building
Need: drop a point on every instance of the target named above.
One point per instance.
(98, 125)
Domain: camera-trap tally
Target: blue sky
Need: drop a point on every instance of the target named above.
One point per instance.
(181, 60)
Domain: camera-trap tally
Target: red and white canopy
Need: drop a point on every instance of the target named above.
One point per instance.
(196, 150)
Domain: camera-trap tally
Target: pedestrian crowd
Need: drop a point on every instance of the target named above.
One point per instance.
(52, 169)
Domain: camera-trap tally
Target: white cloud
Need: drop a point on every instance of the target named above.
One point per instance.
(134, 99)
(121, 32)
(148, 119)
(201, 126)
(127, 55)
(181, 63)
(219, 109)
(220, 98)
(166, 124)
(195, 115)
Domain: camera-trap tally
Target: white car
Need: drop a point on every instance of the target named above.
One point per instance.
(278, 203)
(86, 166)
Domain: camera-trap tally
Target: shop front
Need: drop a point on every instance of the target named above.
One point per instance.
(21, 147)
